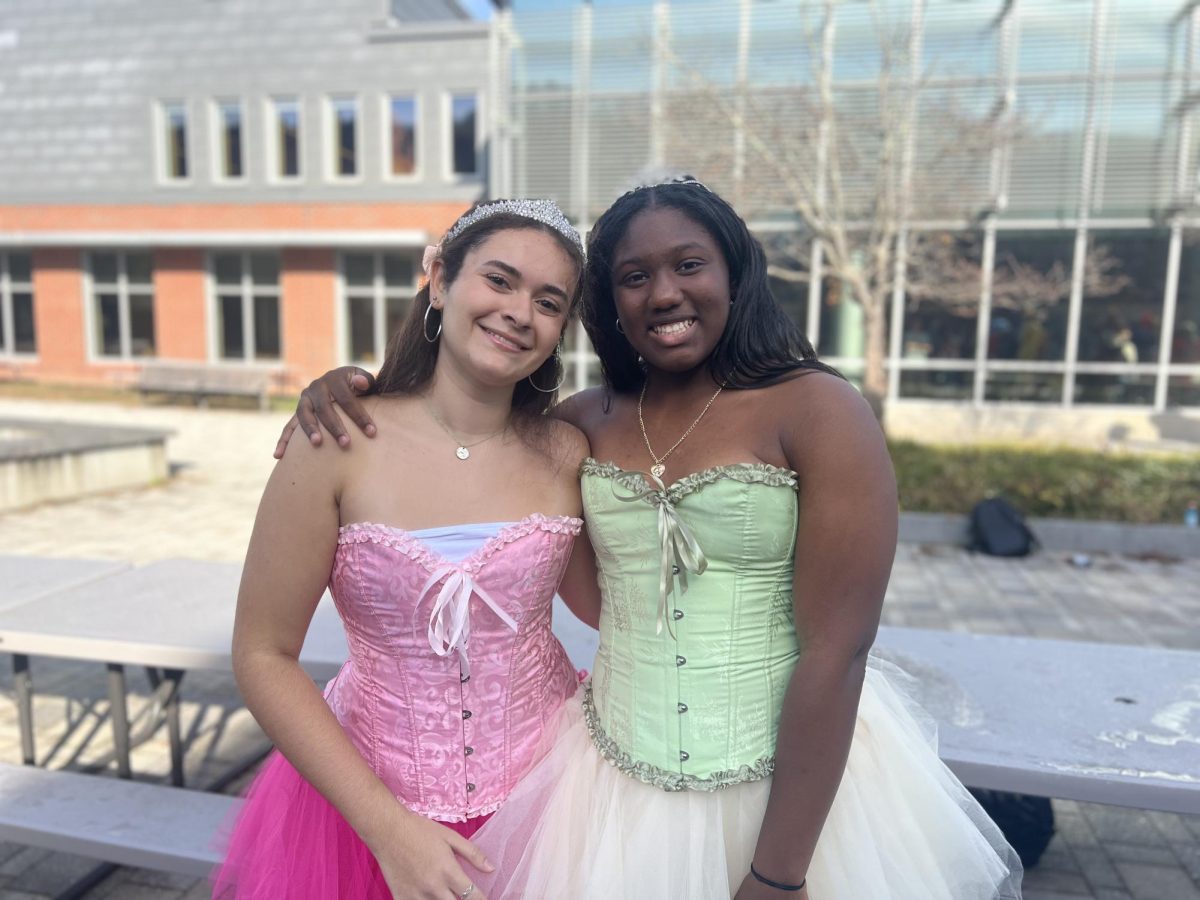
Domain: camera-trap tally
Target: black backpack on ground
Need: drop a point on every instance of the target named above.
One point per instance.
(1026, 822)
(999, 529)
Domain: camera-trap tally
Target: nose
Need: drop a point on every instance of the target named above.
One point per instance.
(519, 311)
(664, 291)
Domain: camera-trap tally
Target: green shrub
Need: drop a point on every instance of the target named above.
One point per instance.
(1060, 483)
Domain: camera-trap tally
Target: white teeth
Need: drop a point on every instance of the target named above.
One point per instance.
(674, 327)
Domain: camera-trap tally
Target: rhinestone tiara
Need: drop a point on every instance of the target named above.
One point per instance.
(657, 179)
(544, 211)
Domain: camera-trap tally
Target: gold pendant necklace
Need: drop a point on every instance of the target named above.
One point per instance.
(659, 466)
(463, 450)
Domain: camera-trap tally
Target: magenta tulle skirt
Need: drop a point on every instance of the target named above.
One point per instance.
(289, 843)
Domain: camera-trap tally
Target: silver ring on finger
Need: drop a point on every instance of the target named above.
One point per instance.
(467, 893)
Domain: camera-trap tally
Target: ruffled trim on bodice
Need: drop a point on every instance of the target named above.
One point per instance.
(417, 550)
(663, 778)
(746, 473)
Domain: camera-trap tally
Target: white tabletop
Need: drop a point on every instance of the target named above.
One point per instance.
(25, 578)
(172, 614)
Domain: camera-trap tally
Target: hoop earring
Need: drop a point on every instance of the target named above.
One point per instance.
(425, 327)
(619, 328)
(529, 378)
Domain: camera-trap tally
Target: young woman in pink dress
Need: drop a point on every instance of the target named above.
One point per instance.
(443, 543)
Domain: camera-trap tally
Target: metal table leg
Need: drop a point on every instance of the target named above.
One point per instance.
(166, 683)
(120, 718)
(23, 684)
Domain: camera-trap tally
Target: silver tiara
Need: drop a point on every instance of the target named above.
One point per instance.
(658, 179)
(544, 211)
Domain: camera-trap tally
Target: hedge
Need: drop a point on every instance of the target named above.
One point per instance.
(1059, 483)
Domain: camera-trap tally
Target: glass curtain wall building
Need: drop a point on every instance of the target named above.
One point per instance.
(1051, 246)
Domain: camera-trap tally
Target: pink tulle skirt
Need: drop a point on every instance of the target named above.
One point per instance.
(289, 843)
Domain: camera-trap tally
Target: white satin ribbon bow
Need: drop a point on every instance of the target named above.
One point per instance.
(450, 619)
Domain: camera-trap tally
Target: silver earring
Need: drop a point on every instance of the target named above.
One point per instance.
(619, 328)
(425, 327)
(548, 390)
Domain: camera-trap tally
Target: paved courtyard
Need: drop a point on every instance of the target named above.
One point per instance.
(220, 461)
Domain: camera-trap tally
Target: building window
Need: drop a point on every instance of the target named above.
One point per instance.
(229, 131)
(378, 290)
(343, 137)
(402, 136)
(122, 301)
(464, 134)
(247, 306)
(284, 129)
(17, 330)
(174, 140)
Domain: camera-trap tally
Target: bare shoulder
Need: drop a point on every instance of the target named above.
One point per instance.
(569, 445)
(582, 408)
(824, 416)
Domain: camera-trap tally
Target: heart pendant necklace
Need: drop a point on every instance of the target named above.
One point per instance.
(659, 466)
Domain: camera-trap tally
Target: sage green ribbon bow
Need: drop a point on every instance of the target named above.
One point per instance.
(679, 551)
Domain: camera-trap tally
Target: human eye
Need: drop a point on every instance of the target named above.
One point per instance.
(497, 279)
(550, 305)
(633, 279)
(690, 265)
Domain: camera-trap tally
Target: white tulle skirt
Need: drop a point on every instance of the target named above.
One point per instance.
(902, 827)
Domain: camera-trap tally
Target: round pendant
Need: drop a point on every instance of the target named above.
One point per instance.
(657, 470)
(462, 453)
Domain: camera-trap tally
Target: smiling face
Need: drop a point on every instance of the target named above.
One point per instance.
(505, 311)
(670, 284)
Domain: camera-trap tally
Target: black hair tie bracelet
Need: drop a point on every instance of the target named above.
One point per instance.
(778, 885)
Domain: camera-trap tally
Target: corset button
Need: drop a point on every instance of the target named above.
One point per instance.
(466, 714)
(674, 570)
(680, 660)
(468, 751)
(470, 787)
(683, 756)
(683, 707)
(677, 615)
(463, 679)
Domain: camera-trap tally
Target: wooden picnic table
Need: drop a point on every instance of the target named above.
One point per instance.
(169, 616)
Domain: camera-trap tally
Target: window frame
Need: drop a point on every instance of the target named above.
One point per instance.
(379, 295)
(331, 129)
(122, 290)
(448, 98)
(272, 147)
(217, 142)
(247, 292)
(386, 134)
(162, 149)
(8, 334)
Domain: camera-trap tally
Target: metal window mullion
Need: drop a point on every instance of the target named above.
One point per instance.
(1087, 173)
(897, 314)
(813, 313)
(125, 340)
(247, 309)
(9, 344)
(380, 305)
(739, 132)
(1170, 300)
(983, 324)
(658, 85)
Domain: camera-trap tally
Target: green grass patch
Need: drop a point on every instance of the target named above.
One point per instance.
(1059, 483)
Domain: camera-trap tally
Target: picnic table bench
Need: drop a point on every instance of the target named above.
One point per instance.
(204, 380)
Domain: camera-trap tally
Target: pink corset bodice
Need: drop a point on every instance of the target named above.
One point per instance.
(454, 673)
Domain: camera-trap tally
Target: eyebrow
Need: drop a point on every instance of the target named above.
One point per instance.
(690, 245)
(516, 273)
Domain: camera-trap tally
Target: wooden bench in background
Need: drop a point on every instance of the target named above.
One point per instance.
(201, 380)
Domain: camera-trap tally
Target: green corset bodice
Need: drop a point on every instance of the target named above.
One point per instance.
(697, 638)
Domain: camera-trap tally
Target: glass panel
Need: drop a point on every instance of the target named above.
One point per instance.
(398, 270)
(1183, 390)
(108, 325)
(1185, 342)
(264, 269)
(141, 325)
(464, 135)
(362, 329)
(942, 304)
(104, 268)
(359, 269)
(1024, 387)
(175, 139)
(139, 268)
(20, 268)
(24, 340)
(1123, 389)
(230, 330)
(1121, 319)
(397, 312)
(231, 140)
(1031, 290)
(287, 123)
(793, 297)
(266, 328)
(842, 322)
(937, 385)
(345, 115)
(404, 135)
(228, 268)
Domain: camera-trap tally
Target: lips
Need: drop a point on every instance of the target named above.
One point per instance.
(504, 341)
(672, 329)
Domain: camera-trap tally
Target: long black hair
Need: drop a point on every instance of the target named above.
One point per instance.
(411, 357)
(760, 344)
